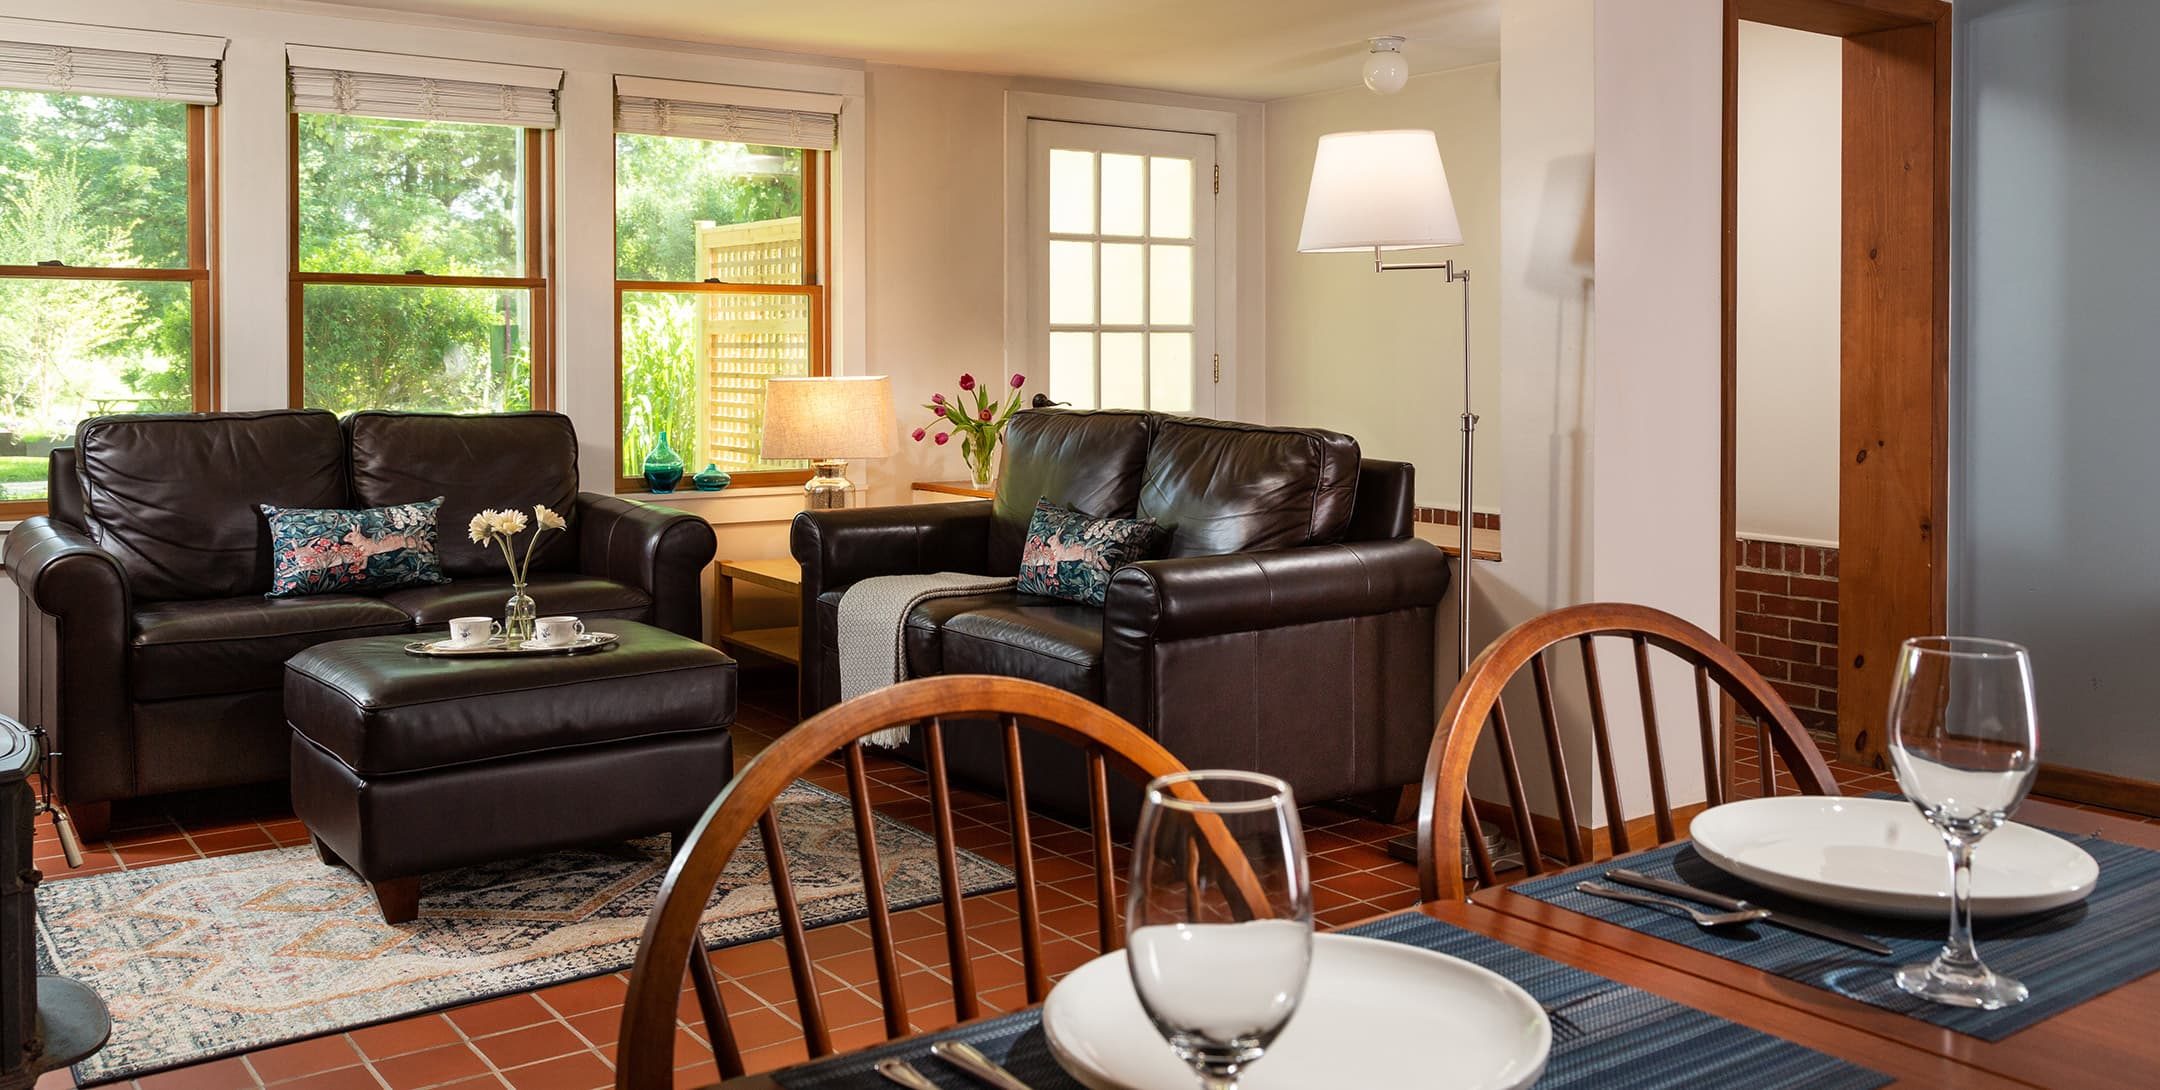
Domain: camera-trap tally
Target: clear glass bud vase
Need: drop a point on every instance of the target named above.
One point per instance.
(518, 615)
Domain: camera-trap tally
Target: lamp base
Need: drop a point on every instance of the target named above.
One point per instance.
(828, 485)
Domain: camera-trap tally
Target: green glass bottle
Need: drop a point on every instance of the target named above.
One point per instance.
(663, 467)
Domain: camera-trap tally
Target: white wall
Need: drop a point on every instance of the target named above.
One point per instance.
(1657, 414)
(1379, 355)
(1787, 313)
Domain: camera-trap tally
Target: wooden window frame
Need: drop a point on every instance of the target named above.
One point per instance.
(817, 181)
(200, 275)
(538, 281)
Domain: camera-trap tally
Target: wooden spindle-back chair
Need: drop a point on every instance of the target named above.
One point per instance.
(646, 1055)
(1477, 701)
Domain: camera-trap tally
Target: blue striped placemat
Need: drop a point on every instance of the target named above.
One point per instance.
(2064, 957)
(1629, 1039)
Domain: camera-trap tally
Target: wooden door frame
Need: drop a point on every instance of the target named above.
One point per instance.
(1893, 481)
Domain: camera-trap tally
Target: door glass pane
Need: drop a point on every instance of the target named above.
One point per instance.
(1072, 283)
(1124, 194)
(1170, 203)
(455, 350)
(1170, 372)
(694, 364)
(1124, 373)
(689, 209)
(1072, 192)
(71, 349)
(93, 182)
(1170, 285)
(1072, 369)
(1122, 284)
(385, 196)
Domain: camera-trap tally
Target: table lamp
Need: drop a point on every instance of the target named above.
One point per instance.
(1387, 190)
(828, 421)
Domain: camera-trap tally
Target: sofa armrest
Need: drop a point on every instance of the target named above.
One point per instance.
(659, 550)
(843, 547)
(62, 572)
(840, 547)
(77, 621)
(1190, 597)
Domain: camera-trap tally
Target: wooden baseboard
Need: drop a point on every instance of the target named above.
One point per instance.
(1597, 840)
(2094, 789)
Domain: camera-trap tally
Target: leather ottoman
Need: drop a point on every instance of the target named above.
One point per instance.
(405, 764)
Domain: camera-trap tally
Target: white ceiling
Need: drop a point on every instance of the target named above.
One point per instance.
(1254, 49)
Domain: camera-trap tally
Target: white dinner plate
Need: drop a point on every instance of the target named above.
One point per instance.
(1374, 1014)
(1882, 856)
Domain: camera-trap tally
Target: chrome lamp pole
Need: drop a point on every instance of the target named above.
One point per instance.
(1469, 444)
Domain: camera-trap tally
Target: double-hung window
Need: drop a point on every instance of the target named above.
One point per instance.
(422, 191)
(721, 199)
(105, 269)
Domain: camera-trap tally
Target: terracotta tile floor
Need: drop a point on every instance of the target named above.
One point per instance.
(563, 1037)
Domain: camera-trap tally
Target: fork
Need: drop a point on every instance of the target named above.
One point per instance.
(970, 1059)
(1701, 918)
(904, 1073)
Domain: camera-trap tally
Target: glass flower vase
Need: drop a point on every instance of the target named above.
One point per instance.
(518, 615)
(663, 467)
(980, 453)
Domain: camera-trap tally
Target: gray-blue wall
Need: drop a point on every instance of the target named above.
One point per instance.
(2055, 488)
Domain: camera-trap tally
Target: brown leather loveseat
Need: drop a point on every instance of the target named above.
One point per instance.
(1287, 627)
(148, 648)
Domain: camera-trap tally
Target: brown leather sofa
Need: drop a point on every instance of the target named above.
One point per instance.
(148, 648)
(1288, 626)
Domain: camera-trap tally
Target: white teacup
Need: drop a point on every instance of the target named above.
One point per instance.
(473, 631)
(557, 631)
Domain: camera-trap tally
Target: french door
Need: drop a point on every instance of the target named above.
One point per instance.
(1121, 279)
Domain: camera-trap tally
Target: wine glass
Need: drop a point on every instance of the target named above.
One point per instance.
(1218, 917)
(1963, 738)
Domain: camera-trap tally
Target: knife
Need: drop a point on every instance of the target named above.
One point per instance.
(1733, 904)
(970, 1059)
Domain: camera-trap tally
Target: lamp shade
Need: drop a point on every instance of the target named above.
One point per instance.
(1382, 190)
(829, 418)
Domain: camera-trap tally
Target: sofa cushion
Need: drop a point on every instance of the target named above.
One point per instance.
(236, 645)
(583, 596)
(1056, 643)
(921, 639)
(509, 460)
(1088, 461)
(317, 550)
(176, 497)
(1220, 487)
(1069, 556)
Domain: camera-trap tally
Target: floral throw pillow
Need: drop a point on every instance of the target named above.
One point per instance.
(328, 550)
(1070, 556)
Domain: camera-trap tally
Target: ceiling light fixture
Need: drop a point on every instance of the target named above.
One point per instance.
(1385, 69)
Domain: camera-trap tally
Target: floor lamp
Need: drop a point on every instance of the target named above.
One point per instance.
(1384, 191)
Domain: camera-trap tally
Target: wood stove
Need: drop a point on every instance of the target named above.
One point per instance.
(46, 1022)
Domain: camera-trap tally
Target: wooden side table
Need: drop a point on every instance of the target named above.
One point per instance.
(783, 643)
(948, 492)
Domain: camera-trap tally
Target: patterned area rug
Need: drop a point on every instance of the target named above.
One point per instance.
(214, 956)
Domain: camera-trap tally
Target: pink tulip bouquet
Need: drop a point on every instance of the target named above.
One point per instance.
(979, 425)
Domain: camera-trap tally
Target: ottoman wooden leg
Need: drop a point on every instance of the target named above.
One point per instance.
(323, 852)
(399, 899)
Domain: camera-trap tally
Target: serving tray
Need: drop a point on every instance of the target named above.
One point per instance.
(500, 646)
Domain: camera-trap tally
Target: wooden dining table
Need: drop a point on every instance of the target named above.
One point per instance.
(2109, 1041)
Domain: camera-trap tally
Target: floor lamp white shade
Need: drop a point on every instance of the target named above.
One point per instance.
(1382, 190)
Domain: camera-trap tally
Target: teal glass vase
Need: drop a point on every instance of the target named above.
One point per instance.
(663, 467)
(711, 478)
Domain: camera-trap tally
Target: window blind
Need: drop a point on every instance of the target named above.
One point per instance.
(74, 58)
(707, 111)
(352, 81)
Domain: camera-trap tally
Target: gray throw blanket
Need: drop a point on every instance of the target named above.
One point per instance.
(872, 630)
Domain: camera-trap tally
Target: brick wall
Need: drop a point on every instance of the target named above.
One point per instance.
(1785, 619)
